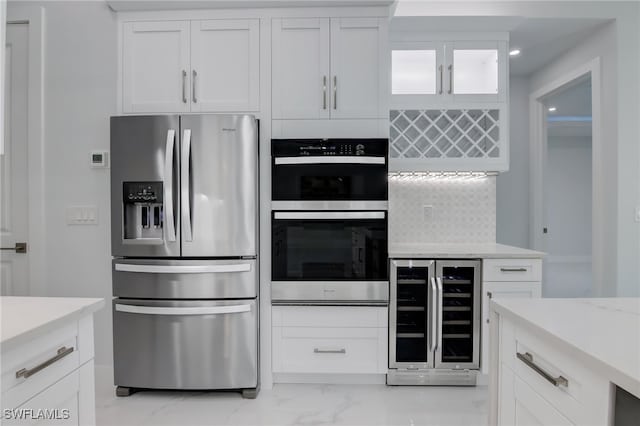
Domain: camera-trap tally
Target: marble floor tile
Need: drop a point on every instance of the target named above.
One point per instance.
(289, 404)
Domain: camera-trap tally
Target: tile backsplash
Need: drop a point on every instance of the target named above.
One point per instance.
(424, 209)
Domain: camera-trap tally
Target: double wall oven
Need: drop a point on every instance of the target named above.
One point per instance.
(329, 221)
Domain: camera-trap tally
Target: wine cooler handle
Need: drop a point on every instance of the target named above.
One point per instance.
(440, 296)
(434, 323)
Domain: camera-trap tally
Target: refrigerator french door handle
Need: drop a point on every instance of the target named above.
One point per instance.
(168, 186)
(188, 310)
(439, 310)
(186, 185)
(433, 343)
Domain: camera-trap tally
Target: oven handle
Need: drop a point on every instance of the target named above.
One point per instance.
(188, 310)
(182, 269)
(329, 215)
(330, 160)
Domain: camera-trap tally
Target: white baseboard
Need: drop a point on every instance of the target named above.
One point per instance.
(336, 379)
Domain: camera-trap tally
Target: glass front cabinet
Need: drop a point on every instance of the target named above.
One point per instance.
(449, 105)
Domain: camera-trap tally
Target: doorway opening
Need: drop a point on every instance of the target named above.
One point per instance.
(568, 187)
(566, 182)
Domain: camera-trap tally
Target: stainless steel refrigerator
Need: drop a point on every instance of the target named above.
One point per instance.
(184, 221)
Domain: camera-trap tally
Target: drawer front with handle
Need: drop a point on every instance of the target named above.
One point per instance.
(185, 279)
(571, 387)
(38, 364)
(512, 270)
(326, 350)
(194, 344)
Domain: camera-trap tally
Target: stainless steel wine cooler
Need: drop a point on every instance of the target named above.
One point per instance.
(434, 322)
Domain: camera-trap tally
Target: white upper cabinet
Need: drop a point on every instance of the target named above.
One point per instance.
(190, 66)
(224, 65)
(356, 65)
(300, 83)
(445, 73)
(477, 71)
(155, 67)
(329, 68)
(416, 69)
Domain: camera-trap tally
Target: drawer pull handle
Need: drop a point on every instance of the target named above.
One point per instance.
(527, 358)
(329, 351)
(26, 373)
(513, 269)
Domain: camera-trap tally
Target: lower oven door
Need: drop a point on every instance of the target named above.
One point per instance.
(166, 344)
(329, 256)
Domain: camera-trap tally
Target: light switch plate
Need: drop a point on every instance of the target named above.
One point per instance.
(637, 214)
(82, 215)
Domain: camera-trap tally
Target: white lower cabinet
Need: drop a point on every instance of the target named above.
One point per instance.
(50, 379)
(541, 385)
(330, 339)
(502, 279)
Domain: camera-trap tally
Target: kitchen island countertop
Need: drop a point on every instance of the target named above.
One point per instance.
(23, 318)
(459, 251)
(602, 333)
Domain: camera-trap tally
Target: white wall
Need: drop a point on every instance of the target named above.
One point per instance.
(80, 95)
(512, 187)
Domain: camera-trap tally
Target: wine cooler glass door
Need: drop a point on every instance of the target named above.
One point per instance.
(411, 331)
(458, 315)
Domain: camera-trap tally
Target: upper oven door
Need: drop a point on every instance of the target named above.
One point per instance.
(313, 172)
(329, 246)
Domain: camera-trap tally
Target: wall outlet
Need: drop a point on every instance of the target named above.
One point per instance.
(82, 215)
(427, 212)
(637, 214)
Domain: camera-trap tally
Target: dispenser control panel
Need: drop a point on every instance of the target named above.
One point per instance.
(142, 192)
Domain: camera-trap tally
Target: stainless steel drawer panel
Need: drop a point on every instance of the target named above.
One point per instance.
(185, 279)
(185, 344)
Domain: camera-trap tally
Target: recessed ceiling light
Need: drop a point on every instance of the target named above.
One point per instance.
(552, 109)
(514, 52)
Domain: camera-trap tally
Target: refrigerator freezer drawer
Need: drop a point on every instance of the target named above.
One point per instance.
(185, 279)
(164, 344)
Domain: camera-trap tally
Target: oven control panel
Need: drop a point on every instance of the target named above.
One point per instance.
(329, 147)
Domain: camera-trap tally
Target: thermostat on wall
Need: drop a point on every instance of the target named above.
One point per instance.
(100, 159)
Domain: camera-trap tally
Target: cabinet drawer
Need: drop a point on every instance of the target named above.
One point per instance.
(532, 409)
(329, 350)
(330, 316)
(45, 360)
(512, 270)
(583, 398)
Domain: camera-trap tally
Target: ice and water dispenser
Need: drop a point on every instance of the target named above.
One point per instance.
(143, 213)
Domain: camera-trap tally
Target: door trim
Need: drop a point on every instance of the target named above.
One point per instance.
(35, 18)
(537, 164)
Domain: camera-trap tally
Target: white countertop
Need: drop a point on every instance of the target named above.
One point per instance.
(21, 318)
(431, 251)
(604, 333)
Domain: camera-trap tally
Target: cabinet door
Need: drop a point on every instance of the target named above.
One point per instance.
(502, 290)
(155, 67)
(357, 63)
(417, 74)
(225, 65)
(531, 409)
(61, 400)
(300, 66)
(476, 71)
